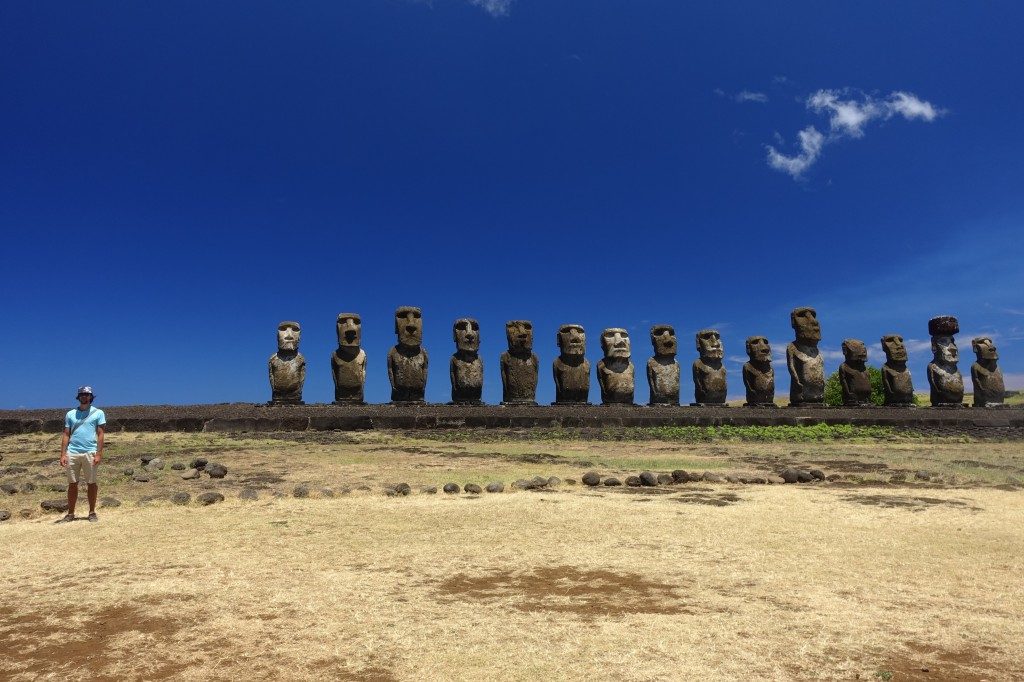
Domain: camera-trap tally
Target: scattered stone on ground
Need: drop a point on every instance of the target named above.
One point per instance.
(790, 475)
(818, 474)
(452, 488)
(648, 479)
(216, 470)
(923, 475)
(554, 481)
(155, 464)
(633, 481)
(209, 498)
(539, 481)
(570, 481)
(128, 471)
(473, 489)
(190, 475)
(28, 487)
(54, 505)
(711, 478)
(403, 489)
(58, 487)
(326, 492)
(429, 490)
(181, 498)
(753, 479)
(300, 491)
(495, 487)
(9, 488)
(109, 502)
(199, 463)
(142, 478)
(591, 478)
(611, 482)
(4, 514)
(665, 479)
(249, 494)
(178, 466)
(146, 459)
(775, 480)
(25, 513)
(804, 477)
(522, 484)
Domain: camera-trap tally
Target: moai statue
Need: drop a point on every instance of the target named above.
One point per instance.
(407, 361)
(758, 373)
(663, 369)
(709, 387)
(519, 365)
(466, 368)
(806, 366)
(853, 374)
(287, 367)
(571, 368)
(896, 382)
(989, 390)
(947, 385)
(615, 370)
(348, 361)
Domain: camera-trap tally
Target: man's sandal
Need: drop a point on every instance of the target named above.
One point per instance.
(68, 518)
(93, 517)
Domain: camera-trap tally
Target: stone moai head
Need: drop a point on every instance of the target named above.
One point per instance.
(984, 349)
(709, 344)
(409, 325)
(466, 332)
(288, 334)
(520, 335)
(855, 353)
(663, 338)
(942, 330)
(571, 339)
(615, 343)
(805, 324)
(894, 349)
(350, 330)
(758, 349)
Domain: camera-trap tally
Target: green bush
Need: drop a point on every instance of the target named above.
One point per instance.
(834, 390)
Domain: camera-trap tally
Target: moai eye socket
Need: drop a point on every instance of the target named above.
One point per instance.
(416, 315)
(476, 327)
(527, 326)
(461, 326)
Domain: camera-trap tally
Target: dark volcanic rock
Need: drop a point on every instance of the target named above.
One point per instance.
(665, 479)
(4, 514)
(178, 466)
(473, 489)
(128, 471)
(429, 490)
(554, 481)
(28, 487)
(452, 488)
(522, 484)
(216, 470)
(790, 475)
(249, 494)
(55, 505)
(804, 477)
(155, 464)
(403, 489)
(496, 487)
(647, 478)
(732, 479)
(14, 470)
(300, 491)
(539, 481)
(570, 481)
(109, 502)
(328, 493)
(209, 498)
(199, 463)
(146, 459)
(142, 477)
(181, 498)
(58, 487)
(9, 488)
(711, 478)
(634, 481)
(591, 478)
(190, 475)
(611, 482)
(817, 474)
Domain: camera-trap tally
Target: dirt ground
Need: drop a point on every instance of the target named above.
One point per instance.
(906, 565)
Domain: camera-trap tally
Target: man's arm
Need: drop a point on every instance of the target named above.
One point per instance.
(99, 446)
(64, 446)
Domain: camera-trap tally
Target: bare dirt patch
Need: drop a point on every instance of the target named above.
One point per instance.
(912, 503)
(711, 500)
(923, 662)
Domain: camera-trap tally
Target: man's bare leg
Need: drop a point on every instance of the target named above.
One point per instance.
(72, 497)
(91, 491)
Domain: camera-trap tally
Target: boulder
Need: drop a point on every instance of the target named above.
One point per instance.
(553, 481)
(680, 476)
(249, 494)
(327, 492)
(774, 480)
(209, 498)
(429, 490)
(181, 498)
(634, 481)
(190, 475)
(58, 487)
(752, 479)
(790, 475)
(109, 502)
(452, 488)
(28, 487)
(473, 489)
(611, 482)
(818, 474)
(665, 479)
(155, 464)
(647, 478)
(300, 491)
(198, 463)
(495, 487)
(216, 470)
(539, 481)
(403, 489)
(128, 471)
(711, 478)
(523, 484)
(178, 466)
(591, 478)
(570, 481)
(732, 479)
(804, 476)
(142, 477)
(55, 505)
(4, 514)
(8, 488)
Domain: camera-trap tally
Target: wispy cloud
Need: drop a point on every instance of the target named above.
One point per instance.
(748, 96)
(496, 8)
(848, 116)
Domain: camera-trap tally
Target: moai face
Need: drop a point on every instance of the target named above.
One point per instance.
(709, 344)
(663, 338)
(350, 330)
(288, 334)
(409, 325)
(571, 339)
(805, 324)
(520, 335)
(894, 349)
(467, 335)
(615, 343)
(855, 352)
(985, 349)
(944, 349)
(758, 349)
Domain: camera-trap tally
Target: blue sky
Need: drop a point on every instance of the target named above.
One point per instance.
(176, 178)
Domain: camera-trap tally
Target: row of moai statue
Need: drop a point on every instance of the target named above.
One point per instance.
(407, 364)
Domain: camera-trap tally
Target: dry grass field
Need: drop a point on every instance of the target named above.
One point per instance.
(874, 575)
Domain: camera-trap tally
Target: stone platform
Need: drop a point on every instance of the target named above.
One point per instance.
(242, 417)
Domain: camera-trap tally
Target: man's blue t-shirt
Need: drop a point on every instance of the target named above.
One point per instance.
(84, 438)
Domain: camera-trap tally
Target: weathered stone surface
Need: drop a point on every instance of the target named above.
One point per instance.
(539, 481)
(128, 471)
(403, 489)
(209, 498)
(591, 478)
(647, 478)
(615, 371)
(287, 367)
(473, 489)
(452, 488)
(8, 488)
(300, 491)
(817, 474)
(348, 361)
(753, 479)
(181, 498)
(249, 494)
(155, 464)
(146, 459)
(553, 481)
(989, 389)
(612, 482)
(519, 365)
(790, 475)
(178, 466)
(923, 475)
(216, 470)
(58, 487)
(109, 502)
(199, 463)
(55, 505)
(709, 381)
(27, 487)
(944, 378)
(634, 481)
(804, 360)
(429, 490)
(328, 493)
(663, 369)
(712, 478)
(571, 368)
(680, 476)
(190, 475)
(804, 477)
(143, 477)
(522, 484)
(4, 515)
(758, 373)
(496, 487)
(408, 361)
(853, 374)
(775, 480)
(897, 384)
(466, 369)
(732, 478)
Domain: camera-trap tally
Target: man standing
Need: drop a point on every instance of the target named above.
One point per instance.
(81, 450)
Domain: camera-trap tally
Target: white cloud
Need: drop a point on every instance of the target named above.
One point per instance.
(811, 142)
(848, 117)
(496, 8)
(748, 96)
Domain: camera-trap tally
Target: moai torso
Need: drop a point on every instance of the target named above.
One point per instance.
(519, 378)
(616, 379)
(572, 379)
(348, 365)
(709, 385)
(807, 374)
(897, 384)
(759, 382)
(407, 370)
(467, 374)
(663, 377)
(946, 384)
(989, 389)
(287, 375)
(856, 385)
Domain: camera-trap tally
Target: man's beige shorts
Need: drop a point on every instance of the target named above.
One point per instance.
(81, 468)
